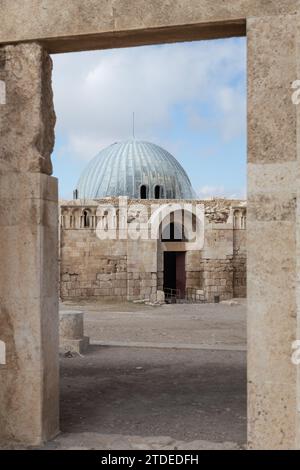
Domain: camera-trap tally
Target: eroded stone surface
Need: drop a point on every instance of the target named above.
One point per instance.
(27, 118)
(271, 232)
(29, 308)
(28, 249)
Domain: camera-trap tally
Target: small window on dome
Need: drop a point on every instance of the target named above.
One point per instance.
(143, 191)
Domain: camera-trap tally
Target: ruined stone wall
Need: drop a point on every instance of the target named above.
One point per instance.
(216, 261)
(217, 279)
(110, 269)
(91, 267)
(193, 270)
(142, 269)
(222, 275)
(142, 285)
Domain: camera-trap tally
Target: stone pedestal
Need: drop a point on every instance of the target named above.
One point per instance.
(71, 335)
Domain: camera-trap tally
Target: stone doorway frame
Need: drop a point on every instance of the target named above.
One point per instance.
(28, 194)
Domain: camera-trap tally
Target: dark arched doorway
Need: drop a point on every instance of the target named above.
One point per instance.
(174, 273)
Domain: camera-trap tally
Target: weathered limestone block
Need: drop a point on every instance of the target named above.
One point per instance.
(29, 307)
(28, 249)
(93, 267)
(216, 277)
(27, 119)
(271, 232)
(218, 243)
(298, 237)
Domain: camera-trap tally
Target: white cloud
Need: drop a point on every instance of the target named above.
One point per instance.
(95, 93)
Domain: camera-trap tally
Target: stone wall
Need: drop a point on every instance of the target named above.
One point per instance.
(90, 267)
(224, 259)
(142, 269)
(239, 262)
(193, 270)
(142, 285)
(216, 261)
(217, 279)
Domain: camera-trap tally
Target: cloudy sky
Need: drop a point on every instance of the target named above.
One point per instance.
(190, 98)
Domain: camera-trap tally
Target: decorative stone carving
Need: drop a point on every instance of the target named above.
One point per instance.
(218, 212)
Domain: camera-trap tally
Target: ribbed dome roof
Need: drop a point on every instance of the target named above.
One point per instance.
(127, 168)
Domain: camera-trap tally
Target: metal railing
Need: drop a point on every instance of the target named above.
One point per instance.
(171, 295)
(191, 295)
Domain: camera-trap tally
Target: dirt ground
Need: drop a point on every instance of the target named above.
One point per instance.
(178, 325)
(163, 377)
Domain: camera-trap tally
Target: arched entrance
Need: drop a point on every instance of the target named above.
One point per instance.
(173, 248)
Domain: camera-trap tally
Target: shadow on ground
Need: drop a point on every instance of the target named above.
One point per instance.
(185, 394)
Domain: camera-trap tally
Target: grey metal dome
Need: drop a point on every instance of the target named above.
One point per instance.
(135, 169)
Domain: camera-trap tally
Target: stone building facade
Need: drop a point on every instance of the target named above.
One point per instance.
(123, 268)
